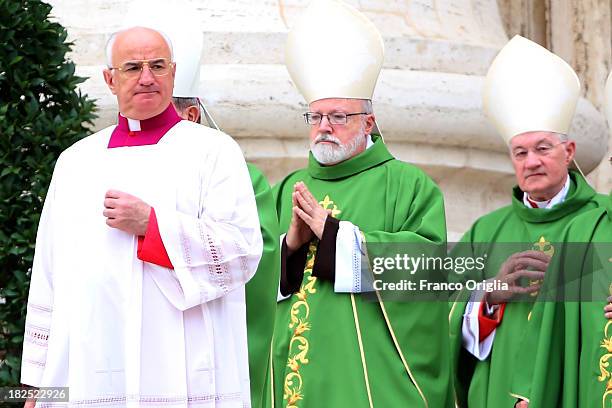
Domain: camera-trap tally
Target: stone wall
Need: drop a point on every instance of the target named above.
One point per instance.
(428, 100)
(579, 31)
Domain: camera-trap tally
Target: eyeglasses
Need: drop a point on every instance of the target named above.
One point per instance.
(133, 69)
(542, 149)
(335, 118)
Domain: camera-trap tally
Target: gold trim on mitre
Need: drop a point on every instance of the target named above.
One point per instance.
(528, 88)
(334, 51)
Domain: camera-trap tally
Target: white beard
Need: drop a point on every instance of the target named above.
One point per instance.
(328, 154)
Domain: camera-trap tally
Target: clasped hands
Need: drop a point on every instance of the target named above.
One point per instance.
(126, 212)
(307, 218)
(527, 264)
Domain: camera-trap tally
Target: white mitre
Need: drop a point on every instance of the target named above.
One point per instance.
(176, 19)
(334, 51)
(528, 88)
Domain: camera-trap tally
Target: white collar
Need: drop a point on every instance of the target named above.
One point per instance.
(369, 141)
(548, 204)
(133, 124)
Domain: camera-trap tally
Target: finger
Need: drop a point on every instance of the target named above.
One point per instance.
(609, 299)
(608, 315)
(110, 202)
(302, 214)
(523, 273)
(109, 213)
(113, 194)
(532, 263)
(608, 308)
(304, 204)
(299, 186)
(308, 195)
(111, 222)
(533, 254)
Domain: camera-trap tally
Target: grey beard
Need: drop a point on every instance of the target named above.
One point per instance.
(328, 154)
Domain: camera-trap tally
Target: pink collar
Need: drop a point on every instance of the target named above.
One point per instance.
(130, 132)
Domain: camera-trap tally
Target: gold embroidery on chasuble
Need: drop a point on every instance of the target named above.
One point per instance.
(604, 364)
(543, 246)
(299, 324)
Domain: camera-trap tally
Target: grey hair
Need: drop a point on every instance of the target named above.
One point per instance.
(562, 137)
(181, 104)
(366, 106)
(111, 42)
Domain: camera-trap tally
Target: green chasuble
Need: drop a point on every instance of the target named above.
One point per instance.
(261, 293)
(345, 351)
(568, 345)
(487, 383)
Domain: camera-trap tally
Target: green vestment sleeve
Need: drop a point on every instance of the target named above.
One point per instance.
(567, 343)
(261, 293)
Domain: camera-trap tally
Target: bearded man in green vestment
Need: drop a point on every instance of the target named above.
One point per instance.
(260, 292)
(333, 348)
(530, 96)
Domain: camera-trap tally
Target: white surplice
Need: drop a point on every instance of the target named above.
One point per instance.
(120, 332)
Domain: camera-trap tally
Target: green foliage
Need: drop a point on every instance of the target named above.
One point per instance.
(41, 114)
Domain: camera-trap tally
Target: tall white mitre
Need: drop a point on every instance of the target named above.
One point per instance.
(334, 51)
(176, 19)
(528, 88)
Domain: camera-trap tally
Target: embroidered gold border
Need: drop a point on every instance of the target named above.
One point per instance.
(292, 391)
(299, 325)
(606, 344)
(362, 354)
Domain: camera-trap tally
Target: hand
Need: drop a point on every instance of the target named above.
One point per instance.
(126, 212)
(608, 309)
(526, 264)
(299, 232)
(30, 403)
(309, 209)
(521, 404)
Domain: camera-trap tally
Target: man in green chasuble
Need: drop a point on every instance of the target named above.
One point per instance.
(332, 347)
(530, 97)
(568, 345)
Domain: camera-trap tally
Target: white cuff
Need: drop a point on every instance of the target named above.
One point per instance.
(348, 259)
(279, 295)
(470, 329)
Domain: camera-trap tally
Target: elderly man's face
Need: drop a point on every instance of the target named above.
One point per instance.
(146, 95)
(540, 161)
(332, 144)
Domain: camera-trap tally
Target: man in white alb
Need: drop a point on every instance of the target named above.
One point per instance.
(148, 235)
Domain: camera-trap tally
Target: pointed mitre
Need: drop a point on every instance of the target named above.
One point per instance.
(334, 51)
(528, 88)
(178, 20)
